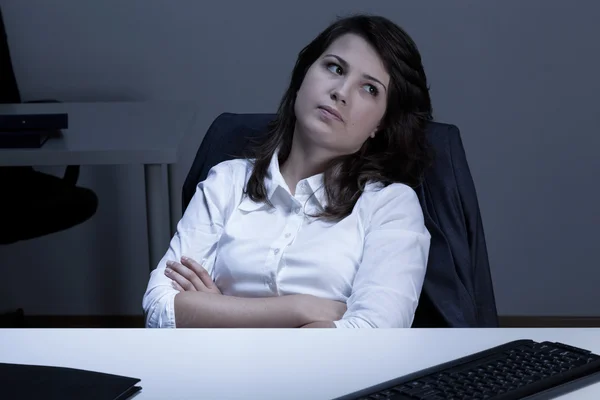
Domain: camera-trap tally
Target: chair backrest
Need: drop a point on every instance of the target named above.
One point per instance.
(458, 290)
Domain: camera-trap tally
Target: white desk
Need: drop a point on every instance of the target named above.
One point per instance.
(266, 364)
(148, 133)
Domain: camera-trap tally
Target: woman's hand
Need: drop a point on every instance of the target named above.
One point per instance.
(190, 276)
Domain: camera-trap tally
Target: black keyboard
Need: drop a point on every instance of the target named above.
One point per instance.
(521, 369)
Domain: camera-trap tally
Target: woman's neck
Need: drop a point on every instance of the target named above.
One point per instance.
(303, 161)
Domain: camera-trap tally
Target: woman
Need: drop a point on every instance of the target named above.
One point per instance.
(321, 228)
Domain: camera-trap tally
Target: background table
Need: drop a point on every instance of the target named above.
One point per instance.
(266, 363)
(117, 133)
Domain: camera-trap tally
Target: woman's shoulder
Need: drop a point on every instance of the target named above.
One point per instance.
(382, 201)
(234, 170)
(234, 175)
(377, 192)
(226, 182)
(393, 206)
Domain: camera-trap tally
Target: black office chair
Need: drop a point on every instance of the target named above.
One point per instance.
(458, 290)
(32, 203)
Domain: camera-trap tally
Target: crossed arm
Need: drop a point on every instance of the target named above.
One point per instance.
(385, 289)
(200, 304)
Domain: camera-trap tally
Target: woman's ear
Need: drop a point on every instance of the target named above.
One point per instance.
(377, 129)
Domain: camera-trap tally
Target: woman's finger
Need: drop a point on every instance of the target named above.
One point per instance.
(179, 279)
(199, 271)
(188, 274)
(177, 286)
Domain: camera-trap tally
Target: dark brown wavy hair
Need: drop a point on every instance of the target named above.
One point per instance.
(398, 152)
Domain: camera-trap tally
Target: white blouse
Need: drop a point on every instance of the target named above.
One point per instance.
(374, 260)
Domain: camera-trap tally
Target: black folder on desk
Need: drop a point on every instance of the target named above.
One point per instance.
(18, 381)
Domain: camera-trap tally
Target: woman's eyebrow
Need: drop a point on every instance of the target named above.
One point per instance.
(344, 64)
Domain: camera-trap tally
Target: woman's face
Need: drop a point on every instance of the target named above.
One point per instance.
(349, 79)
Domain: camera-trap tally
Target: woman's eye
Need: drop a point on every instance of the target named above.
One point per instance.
(336, 69)
(372, 90)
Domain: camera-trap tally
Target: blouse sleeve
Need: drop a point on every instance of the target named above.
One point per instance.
(388, 283)
(197, 234)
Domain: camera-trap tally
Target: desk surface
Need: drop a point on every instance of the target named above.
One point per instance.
(108, 133)
(265, 364)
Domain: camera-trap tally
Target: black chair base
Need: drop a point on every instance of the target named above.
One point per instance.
(35, 204)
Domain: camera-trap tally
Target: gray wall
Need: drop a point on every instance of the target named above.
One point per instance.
(519, 78)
